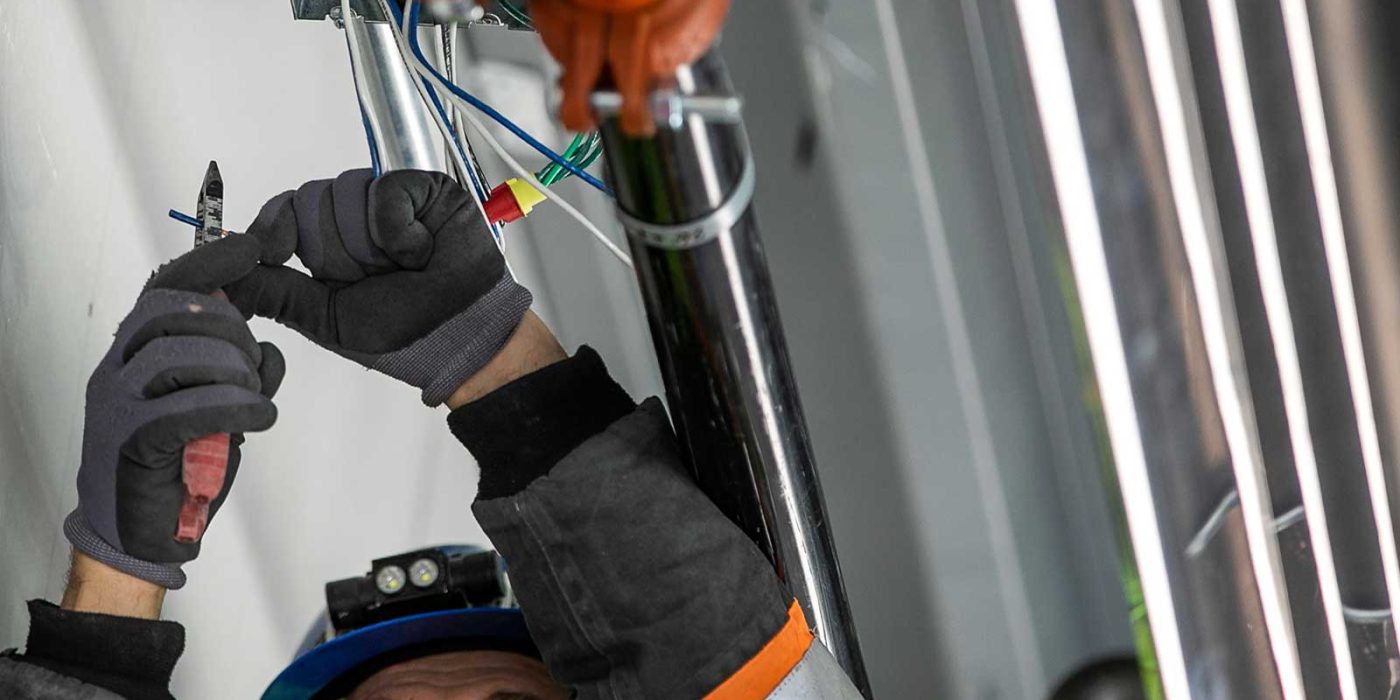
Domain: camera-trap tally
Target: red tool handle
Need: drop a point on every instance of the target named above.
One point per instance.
(205, 465)
(204, 468)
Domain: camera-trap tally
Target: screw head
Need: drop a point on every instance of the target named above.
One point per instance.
(390, 580)
(423, 573)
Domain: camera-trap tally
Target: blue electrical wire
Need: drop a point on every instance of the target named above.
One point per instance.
(456, 139)
(413, 14)
(373, 145)
(185, 218)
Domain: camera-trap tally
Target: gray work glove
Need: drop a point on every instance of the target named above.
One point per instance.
(406, 278)
(184, 365)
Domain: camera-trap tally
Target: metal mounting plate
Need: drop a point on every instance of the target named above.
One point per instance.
(321, 9)
(369, 9)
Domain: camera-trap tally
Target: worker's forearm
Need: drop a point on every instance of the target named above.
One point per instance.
(106, 634)
(94, 587)
(532, 348)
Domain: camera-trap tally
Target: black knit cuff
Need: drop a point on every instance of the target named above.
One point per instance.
(520, 431)
(130, 657)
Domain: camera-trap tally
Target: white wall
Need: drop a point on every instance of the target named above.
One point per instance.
(109, 112)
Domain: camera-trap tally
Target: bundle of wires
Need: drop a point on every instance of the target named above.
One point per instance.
(413, 56)
(406, 19)
(585, 149)
(583, 152)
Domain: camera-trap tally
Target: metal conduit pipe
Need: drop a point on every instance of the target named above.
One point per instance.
(404, 133)
(684, 197)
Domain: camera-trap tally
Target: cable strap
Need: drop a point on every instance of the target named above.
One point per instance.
(701, 231)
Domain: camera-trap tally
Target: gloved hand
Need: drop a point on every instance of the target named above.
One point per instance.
(405, 276)
(184, 365)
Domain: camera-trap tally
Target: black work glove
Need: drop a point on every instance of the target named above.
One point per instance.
(184, 365)
(406, 278)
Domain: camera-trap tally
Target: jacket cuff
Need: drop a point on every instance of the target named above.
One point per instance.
(520, 431)
(441, 361)
(128, 656)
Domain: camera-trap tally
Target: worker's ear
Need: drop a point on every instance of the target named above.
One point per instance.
(209, 267)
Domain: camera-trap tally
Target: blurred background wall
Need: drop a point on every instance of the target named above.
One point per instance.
(922, 307)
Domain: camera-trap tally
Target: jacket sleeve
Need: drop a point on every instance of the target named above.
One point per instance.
(25, 681)
(80, 656)
(632, 582)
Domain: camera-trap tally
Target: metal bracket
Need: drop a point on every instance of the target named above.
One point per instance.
(671, 108)
(441, 12)
(321, 9)
(701, 231)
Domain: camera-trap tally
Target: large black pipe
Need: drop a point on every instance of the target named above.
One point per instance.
(685, 198)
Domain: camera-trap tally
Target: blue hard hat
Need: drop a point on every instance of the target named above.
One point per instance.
(330, 665)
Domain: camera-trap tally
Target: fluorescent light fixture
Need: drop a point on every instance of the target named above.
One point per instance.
(1239, 105)
(1059, 115)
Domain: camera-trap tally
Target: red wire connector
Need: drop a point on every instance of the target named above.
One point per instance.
(512, 200)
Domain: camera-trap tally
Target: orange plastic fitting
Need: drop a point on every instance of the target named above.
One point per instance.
(641, 43)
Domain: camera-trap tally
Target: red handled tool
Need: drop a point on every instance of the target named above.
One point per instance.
(206, 459)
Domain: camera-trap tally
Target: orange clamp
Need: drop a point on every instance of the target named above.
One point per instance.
(640, 43)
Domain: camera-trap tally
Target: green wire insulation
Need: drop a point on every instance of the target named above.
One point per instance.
(592, 158)
(516, 13)
(569, 154)
(582, 152)
(585, 156)
(585, 150)
(550, 173)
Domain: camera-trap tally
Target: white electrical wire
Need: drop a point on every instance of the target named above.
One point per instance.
(523, 173)
(469, 112)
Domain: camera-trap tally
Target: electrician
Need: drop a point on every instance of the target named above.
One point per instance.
(632, 583)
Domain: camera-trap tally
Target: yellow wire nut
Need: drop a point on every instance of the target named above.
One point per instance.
(526, 196)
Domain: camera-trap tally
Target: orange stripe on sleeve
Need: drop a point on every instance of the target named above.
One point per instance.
(761, 675)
